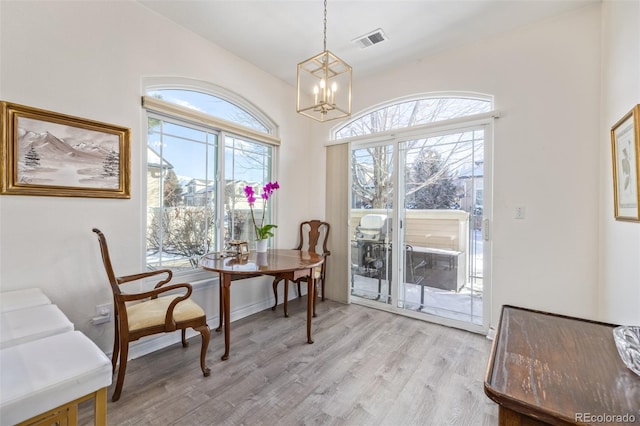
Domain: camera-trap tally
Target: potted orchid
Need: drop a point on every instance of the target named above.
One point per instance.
(264, 231)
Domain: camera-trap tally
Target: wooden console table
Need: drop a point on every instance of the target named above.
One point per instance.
(551, 369)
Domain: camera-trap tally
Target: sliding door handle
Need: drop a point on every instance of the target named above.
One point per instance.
(485, 230)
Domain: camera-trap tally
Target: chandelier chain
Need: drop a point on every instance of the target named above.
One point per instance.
(325, 25)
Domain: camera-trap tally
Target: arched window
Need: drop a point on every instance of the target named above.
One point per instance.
(413, 112)
(195, 131)
(212, 105)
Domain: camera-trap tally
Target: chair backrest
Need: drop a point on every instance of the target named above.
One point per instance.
(314, 235)
(113, 281)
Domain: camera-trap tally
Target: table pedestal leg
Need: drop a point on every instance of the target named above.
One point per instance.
(311, 285)
(225, 284)
(315, 297)
(219, 329)
(286, 298)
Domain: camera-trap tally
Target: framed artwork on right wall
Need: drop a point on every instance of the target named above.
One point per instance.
(625, 147)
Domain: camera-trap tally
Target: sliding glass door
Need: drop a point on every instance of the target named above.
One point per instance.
(371, 223)
(441, 194)
(416, 225)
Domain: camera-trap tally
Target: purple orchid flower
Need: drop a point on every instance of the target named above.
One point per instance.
(264, 231)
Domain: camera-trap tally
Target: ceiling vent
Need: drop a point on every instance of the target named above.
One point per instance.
(368, 40)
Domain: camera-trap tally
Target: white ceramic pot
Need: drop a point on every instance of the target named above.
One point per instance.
(261, 245)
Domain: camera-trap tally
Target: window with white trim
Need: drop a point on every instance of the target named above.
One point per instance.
(202, 149)
(402, 119)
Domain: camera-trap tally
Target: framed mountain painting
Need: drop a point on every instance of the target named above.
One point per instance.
(51, 154)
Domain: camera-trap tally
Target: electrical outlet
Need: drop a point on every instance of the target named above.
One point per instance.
(103, 314)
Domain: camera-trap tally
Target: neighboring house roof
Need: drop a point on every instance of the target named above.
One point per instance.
(197, 182)
(476, 171)
(209, 188)
(153, 160)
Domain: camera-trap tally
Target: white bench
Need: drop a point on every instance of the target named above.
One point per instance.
(48, 377)
(20, 299)
(47, 368)
(24, 325)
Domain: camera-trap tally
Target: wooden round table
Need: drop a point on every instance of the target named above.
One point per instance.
(286, 264)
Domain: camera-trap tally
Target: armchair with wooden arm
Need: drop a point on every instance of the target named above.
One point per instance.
(160, 310)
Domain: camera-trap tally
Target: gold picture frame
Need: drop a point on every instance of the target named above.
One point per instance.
(625, 147)
(51, 154)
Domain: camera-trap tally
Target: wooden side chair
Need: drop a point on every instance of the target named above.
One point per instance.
(150, 314)
(314, 235)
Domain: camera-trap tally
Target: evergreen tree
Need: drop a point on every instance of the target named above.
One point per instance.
(435, 188)
(31, 158)
(172, 190)
(111, 164)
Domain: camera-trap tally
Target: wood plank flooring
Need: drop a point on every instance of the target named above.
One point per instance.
(366, 367)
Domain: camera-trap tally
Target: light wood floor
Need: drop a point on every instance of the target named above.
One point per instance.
(366, 367)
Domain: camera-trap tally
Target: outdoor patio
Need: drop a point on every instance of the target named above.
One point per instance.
(465, 305)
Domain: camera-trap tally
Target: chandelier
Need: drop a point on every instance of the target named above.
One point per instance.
(324, 84)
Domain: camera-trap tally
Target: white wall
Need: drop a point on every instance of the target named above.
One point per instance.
(546, 83)
(619, 276)
(87, 59)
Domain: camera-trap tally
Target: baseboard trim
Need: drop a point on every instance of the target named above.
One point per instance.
(160, 341)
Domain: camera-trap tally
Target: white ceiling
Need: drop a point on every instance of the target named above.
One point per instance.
(276, 35)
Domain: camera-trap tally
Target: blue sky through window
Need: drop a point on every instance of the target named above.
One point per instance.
(211, 105)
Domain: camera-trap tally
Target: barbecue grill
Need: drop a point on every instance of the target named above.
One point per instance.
(370, 248)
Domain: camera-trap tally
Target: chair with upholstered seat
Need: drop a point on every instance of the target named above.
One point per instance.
(314, 235)
(142, 314)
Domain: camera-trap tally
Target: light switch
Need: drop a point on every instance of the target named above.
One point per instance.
(519, 212)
